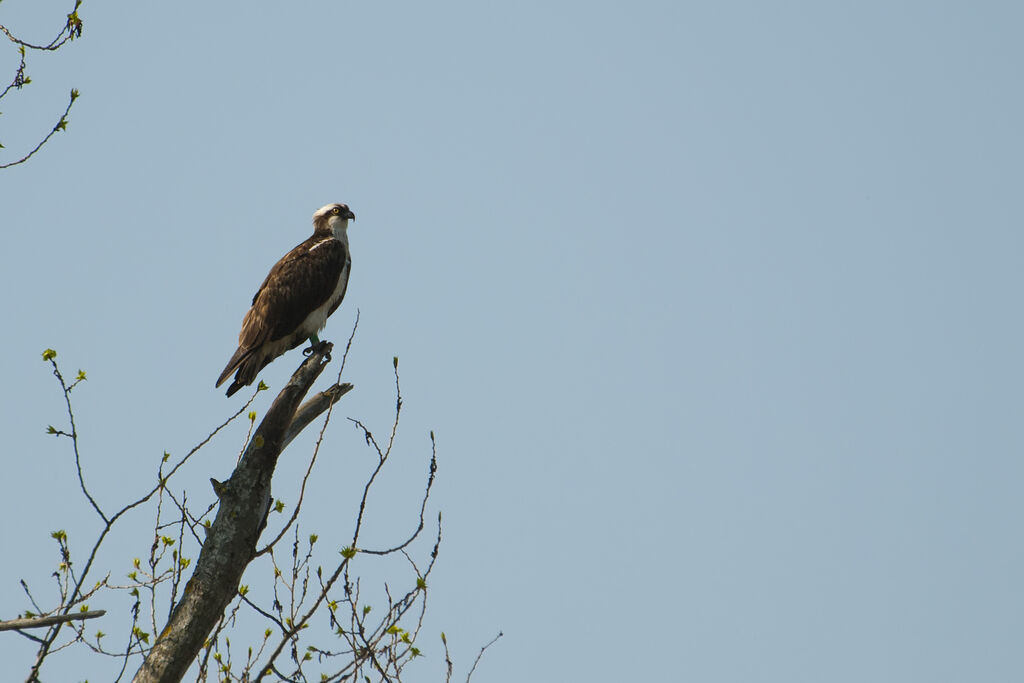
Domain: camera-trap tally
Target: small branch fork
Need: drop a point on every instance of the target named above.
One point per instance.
(308, 412)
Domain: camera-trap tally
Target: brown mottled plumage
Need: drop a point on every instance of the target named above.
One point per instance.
(294, 301)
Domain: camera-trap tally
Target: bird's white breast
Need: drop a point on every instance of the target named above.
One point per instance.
(316, 320)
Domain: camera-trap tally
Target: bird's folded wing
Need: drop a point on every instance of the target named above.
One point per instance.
(295, 287)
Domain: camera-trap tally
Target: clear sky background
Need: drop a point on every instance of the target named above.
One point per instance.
(713, 307)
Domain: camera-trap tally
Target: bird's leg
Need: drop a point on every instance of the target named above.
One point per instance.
(314, 344)
(314, 341)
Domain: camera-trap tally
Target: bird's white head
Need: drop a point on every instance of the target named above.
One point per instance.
(332, 220)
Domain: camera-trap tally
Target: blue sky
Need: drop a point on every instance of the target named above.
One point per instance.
(712, 307)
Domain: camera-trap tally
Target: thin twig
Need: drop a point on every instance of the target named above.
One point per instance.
(73, 27)
(423, 506)
(60, 125)
(74, 435)
(39, 622)
(481, 654)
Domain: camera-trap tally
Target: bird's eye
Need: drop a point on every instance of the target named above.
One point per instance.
(335, 211)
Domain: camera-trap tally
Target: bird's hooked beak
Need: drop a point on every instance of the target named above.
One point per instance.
(349, 215)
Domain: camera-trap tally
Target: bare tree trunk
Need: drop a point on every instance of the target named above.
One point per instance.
(231, 540)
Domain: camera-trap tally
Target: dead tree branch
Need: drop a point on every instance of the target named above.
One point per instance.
(230, 543)
(312, 409)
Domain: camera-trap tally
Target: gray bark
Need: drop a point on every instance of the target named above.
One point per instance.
(312, 409)
(231, 539)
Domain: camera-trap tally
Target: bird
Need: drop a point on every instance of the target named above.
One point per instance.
(296, 298)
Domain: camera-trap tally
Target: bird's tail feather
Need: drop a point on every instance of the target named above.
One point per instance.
(241, 355)
(249, 363)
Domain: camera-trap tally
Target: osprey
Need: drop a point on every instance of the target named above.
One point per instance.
(293, 303)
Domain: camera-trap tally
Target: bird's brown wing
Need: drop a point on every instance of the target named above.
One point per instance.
(296, 286)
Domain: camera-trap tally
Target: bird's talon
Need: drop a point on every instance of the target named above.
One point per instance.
(325, 347)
